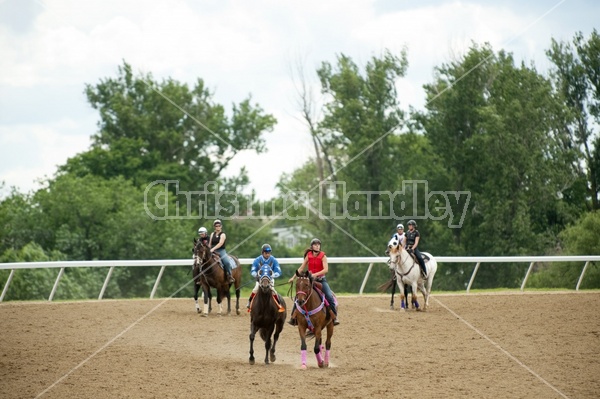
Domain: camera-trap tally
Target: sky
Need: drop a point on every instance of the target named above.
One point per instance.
(50, 49)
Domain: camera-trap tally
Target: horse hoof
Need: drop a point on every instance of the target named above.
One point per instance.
(251, 361)
(321, 365)
(204, 315)
(326, 365)
(198, 311)
(303, 367)
(237, 312)
(272, 358)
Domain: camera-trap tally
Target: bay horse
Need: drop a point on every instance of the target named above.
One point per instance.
(265, 316)
(312, 315)
(408, 272)
(208, 273)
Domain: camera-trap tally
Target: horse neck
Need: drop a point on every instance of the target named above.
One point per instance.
(313, 300)
(405, 260)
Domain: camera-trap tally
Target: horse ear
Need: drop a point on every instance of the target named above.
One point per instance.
(195, 240)
(297, 274)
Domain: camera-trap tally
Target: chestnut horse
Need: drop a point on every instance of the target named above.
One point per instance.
(265, 315)
(312, 315)
(208, 273)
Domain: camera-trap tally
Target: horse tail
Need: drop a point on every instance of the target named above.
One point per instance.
(386, 286)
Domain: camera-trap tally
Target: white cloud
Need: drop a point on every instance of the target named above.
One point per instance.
(238, 48)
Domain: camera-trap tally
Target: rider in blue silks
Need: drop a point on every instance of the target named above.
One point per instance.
(266, 259)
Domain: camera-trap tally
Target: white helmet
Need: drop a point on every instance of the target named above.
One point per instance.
(400, 226)
(202, 230)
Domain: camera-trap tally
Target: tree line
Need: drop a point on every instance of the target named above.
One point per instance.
(503, 160)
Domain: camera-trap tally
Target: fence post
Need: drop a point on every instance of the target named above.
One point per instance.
(362, 287)
(473, 277)
(60, 273)
(578, 282)
(5, 289)
(105, 282)
(527, 275)
(162, 269)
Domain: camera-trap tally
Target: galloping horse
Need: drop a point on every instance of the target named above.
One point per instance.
(408, 272)
(265, 315)
(209, 274)
(314, 316)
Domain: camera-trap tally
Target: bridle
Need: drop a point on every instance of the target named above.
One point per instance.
(396, 262)
(306, 295)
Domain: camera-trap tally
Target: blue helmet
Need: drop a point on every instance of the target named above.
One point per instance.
(266, 248)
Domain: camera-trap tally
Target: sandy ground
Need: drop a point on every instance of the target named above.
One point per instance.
(465, 346)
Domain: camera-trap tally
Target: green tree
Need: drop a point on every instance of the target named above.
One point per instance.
(153, 130)
(576, 75)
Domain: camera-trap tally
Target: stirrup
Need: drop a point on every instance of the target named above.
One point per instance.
(336, 322)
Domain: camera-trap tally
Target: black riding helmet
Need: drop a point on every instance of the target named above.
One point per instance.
(315, 241)
(413, 223)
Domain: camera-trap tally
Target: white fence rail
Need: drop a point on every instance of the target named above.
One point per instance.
(478, 260)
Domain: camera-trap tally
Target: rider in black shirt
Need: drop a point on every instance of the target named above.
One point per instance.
(412, 241)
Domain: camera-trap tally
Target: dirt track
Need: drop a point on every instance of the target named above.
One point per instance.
(476, 346)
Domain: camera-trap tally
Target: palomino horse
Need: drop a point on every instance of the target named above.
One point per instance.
(209, 274)
(314, 316)
(408, 272)
(265, 315)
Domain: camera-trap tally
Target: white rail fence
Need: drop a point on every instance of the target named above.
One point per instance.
(478, 260)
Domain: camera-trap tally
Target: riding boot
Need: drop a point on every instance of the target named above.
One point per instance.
(292, 321)
(334, 311)
(229, 278)
(250, 300)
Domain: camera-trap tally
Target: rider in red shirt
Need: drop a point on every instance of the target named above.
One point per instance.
(316, 262)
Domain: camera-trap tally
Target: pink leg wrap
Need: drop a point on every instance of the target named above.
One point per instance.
(327, 356)
(303, 357)
(319, 358)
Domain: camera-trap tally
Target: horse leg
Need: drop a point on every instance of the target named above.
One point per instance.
(302, 346)
(317, 349)
(393, 292)
(219, 302)
(414, 294)
(206, 294)
(196, 289)
(268, 344)
(402, 296)
(328, 344)
(252, 334)
(278, 328)
(237, 300)
(228, 302)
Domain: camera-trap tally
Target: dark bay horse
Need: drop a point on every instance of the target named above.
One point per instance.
(208, 274)
(265, 316)
(312, 315)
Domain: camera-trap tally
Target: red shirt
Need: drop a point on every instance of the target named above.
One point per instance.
(315, 263)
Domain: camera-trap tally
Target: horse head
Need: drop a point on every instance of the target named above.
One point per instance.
(201, 252)
(304, 283)
(265, 278)
(394, 249)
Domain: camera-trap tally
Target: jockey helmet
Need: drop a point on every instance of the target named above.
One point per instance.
(202, 230)
(315, 241)
(412, 222)
(216, 222)
(400, 226)
(266, 248)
